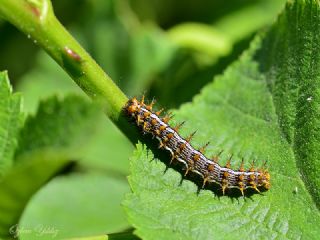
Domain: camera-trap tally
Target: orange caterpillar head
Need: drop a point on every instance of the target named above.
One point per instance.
(264, 180)
(132, 106)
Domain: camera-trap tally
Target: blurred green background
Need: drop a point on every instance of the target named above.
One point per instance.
(162, 48)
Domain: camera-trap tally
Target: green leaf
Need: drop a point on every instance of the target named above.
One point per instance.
(90, 206)
(47, 80)
(293, 78)
(264, 107)
(75, 129)
(19, 185)
(109, 148)
(10, 122)
(60, 129)
(47, 144)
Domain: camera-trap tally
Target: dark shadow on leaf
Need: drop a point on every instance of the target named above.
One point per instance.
(165, 157)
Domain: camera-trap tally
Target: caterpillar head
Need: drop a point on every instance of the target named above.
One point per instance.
(132, 107)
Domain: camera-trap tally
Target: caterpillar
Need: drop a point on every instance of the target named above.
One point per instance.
(194, 160)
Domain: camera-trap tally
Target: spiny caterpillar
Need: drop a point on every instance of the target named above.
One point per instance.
(194, 160)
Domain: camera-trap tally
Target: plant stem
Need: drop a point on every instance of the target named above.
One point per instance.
(37, 20)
